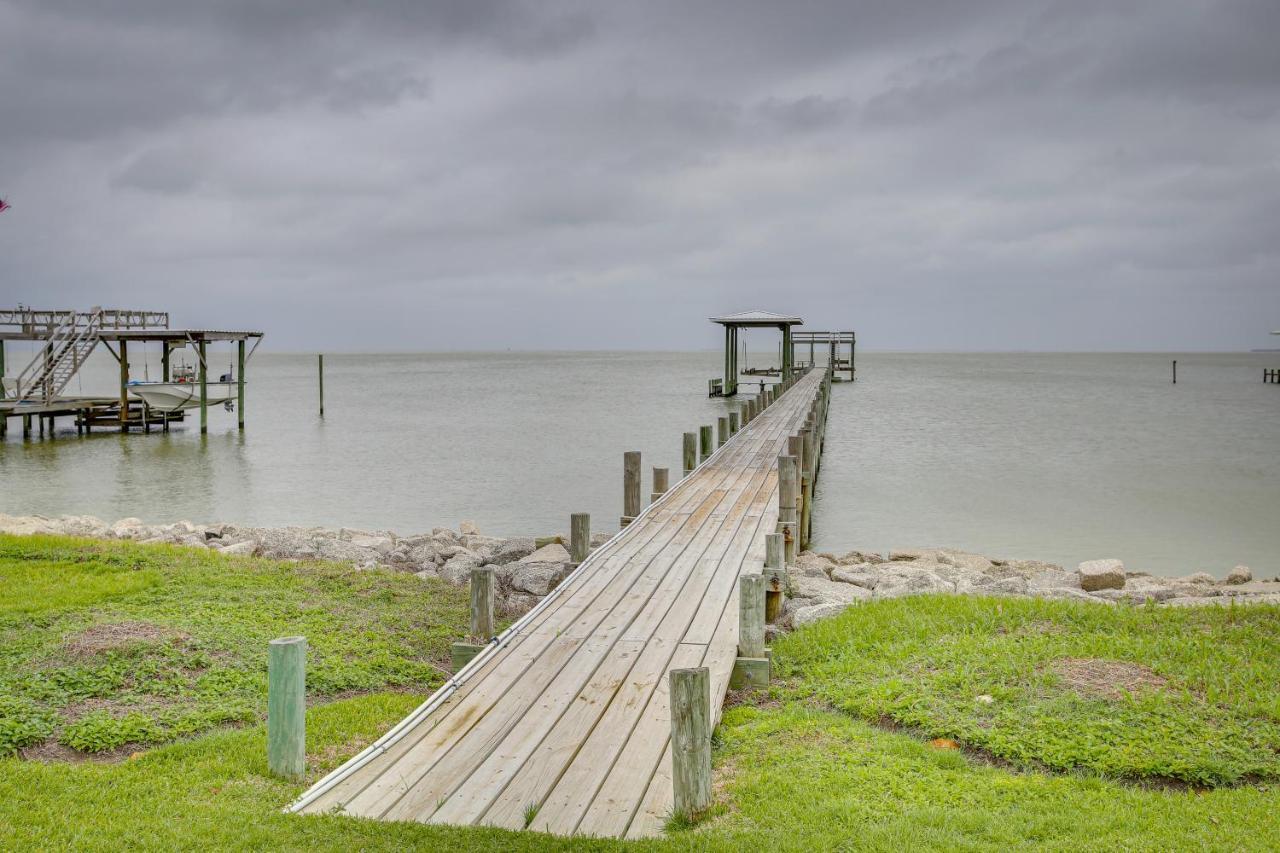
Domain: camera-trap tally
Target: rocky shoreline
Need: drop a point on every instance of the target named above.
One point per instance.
(821, 584)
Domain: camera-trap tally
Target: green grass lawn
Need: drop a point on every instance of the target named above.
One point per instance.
(111, 645)
(835, 755)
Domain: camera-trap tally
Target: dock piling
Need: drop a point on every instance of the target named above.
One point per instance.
(775, 575)
(691, 739)
(752, 665)
(579, 536)
(704, 442)
(690, 452)
(722, 431)
(320, 368)
(630, 486)
(661, 482)
(287, 707)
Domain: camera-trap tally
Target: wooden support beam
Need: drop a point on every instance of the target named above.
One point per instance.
(240, 384)
(691, 740)
(286, 706)
(690, 452)
(124, 385)
(630, 486)
(579, 536)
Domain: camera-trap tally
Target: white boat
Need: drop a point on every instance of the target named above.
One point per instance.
(184, 394)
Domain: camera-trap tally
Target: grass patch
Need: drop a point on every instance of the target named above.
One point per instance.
(803, 766)
(107, 645)
(1165, 694)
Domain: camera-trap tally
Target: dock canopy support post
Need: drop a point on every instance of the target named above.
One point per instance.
(124, 385)
(752, 666)
(579, 537)
(630, 486)
(691, 740)
(204, 389)
(287, 707)
(240, 384)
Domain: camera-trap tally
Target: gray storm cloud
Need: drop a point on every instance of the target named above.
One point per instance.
(491, 174)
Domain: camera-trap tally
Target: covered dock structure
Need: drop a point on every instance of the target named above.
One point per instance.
(833, 342)
(66, 339)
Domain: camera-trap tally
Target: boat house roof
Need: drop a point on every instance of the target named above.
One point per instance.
(757, 318)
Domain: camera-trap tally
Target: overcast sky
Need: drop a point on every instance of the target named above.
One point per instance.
(486, 174)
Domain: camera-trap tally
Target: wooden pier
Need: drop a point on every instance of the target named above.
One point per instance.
(563, 724)
(67, 339)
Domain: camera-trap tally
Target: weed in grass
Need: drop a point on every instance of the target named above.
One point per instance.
(530, 812)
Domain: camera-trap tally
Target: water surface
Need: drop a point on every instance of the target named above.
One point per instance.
(1047, 456)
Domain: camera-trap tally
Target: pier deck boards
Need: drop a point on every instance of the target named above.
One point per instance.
(566, 728)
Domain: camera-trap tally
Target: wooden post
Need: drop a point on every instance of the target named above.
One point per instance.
(630, 486)
(287, 706)
(124, 385)
(752, 665)
(775, 574)
(204, 390)
(165, 351)
(660, 484)
(788, 493)
(482, 603)
(26, 426)
(1175, 371)
(704, 442)
(722, 431)
(240, 385)
(579, 536)
(690, 452)
(751, 616)
(320, 367)
(691, 739)
(733, 422)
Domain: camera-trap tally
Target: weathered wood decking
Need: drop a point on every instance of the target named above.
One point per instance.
(566, 727)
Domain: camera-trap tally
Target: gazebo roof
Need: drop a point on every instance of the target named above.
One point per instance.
(757, 318)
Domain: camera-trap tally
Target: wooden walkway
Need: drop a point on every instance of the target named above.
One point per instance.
(566, 728)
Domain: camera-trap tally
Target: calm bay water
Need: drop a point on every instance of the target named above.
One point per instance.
(1047, 456)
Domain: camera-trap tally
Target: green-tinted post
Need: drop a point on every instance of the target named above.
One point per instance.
(240, 385)
(287, 707)
(722, 431)
(733, 422)
(690, 452)
(704, 441)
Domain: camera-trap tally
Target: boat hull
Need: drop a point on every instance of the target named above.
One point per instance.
(175, 396)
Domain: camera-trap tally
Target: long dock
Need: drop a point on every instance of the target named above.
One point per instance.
(563, 724)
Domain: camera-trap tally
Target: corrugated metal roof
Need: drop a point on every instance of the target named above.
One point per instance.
(763, 318)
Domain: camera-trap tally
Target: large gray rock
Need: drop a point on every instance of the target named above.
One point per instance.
(468, 528)
(855, 558)
(538, 578)
(862, 574)
(809, 615)
(553, 553)
(1199, 578)
(457, 570)
(381, 545)
(1054, 578)
(338, 550)
(828, 591)
(1101, 574)
(247, 548)
(512, 550)
(1239, 575)
(964, 560)
(1067, 593)
(814, 565)
(897, 582)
